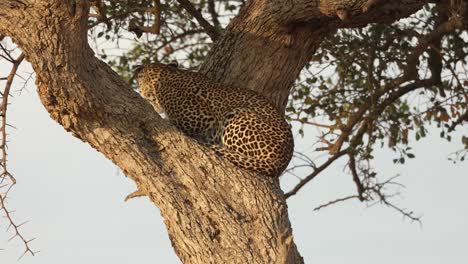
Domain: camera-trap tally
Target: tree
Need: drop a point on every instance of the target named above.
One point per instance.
(264, 47)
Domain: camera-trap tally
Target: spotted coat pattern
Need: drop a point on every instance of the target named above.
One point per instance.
(240, 124)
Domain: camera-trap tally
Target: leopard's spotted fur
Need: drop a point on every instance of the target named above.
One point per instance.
(242, 125)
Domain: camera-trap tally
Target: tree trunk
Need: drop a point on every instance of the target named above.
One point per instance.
(214, 212)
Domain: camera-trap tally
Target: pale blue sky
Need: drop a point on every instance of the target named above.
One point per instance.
(73, 199)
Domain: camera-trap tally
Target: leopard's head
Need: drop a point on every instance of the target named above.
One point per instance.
(149, 79)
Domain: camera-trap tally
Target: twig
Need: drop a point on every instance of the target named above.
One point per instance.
(357, 181)
(26, 80)
(3, 114)
(315, 173)
(3, 163)
(336, 201)
(7, 55)
(383, 199)
(16, 228)
(409, 214)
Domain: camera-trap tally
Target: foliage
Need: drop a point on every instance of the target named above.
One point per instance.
(385, 85)
(181, 38)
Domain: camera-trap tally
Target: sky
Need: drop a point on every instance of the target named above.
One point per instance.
(73, 200)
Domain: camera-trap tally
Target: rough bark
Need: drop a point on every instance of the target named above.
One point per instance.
(214, 212)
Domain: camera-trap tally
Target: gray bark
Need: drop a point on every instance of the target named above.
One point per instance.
(214, 212)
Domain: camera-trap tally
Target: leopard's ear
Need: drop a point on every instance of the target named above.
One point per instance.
(173, 64)
(137, 69)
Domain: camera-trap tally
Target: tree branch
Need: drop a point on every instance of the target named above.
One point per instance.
(101, 13)
(3, 162)
(214, 14)
(209, 29)
(3, 115)
(410, 71)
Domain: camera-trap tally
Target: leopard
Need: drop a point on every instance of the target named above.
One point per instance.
(238, 123)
